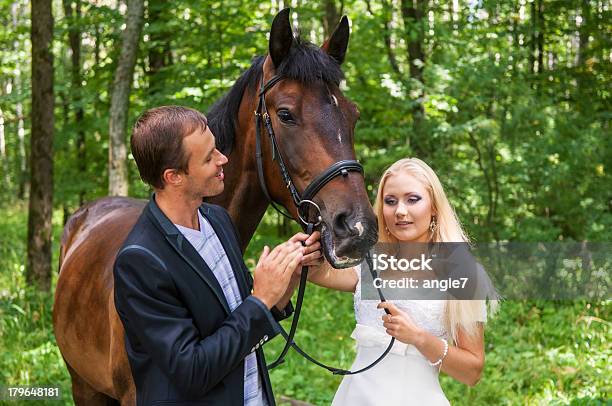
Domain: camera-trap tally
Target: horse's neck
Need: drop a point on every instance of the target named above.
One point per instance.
(242, 196)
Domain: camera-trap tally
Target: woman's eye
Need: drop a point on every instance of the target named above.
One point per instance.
(285, 116)
(413, 199)
(390, 201)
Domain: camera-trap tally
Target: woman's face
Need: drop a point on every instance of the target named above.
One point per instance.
(407, 208)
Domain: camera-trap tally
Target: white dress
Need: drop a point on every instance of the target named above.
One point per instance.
(404, 376)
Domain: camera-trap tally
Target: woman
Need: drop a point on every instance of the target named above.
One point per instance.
(431, 335)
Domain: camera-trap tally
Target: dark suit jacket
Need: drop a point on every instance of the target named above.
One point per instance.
(184, 345)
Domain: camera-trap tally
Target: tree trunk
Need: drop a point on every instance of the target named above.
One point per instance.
(332, 16)
(3, 157)
(38, 270)
(220, 46)
(72, 10)
(541, 27)
(583, 99)
(122, 83)
(23, 159)
(160, 54)
(413, 12)
(22, 173)
(2, 140)
(98, 109)
(583, 29)
(454, 16)
(533, 40)
(387, 17)
(515, 35)
(207, 50)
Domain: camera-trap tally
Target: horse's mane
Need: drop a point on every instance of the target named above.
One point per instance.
(306, 63)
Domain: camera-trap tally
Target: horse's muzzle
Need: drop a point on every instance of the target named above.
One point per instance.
(347, 246)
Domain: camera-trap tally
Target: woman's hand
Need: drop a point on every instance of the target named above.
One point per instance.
(400, 325)
(312, 249)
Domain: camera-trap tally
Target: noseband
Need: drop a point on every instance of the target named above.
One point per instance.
(302, 202)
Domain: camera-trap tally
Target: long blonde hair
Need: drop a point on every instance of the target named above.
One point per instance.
(460, 314)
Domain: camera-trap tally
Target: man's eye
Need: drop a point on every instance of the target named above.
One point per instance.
(285, 116)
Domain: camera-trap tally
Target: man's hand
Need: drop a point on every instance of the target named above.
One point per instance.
(311, 257)
(274, 271)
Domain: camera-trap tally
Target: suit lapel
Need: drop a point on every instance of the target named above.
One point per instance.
(233, 254)
(186, 251)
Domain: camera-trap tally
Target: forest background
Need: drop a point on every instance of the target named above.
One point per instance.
(509, 102)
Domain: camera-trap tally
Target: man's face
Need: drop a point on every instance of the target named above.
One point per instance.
(205, 169)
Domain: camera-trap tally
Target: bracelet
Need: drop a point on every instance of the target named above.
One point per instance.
(439, 362)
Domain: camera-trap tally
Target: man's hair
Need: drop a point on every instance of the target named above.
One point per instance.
(157, 141)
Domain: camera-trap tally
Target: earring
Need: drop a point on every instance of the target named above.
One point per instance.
(433, 224)
(387, 231)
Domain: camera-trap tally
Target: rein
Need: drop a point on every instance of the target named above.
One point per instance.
(302, 203)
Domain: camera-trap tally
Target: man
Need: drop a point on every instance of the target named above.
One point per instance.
(194, 319)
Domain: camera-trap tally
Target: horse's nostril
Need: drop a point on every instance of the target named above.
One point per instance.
(353, 234)
(342, 227)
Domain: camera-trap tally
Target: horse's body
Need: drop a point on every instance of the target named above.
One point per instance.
(88, 330)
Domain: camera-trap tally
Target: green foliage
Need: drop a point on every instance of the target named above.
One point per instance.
(543, 353)
(523, 150)
(519, 138)
(29, 353)
(537, 352)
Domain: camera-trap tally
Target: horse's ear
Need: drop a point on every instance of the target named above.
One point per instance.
(281, 37)
(336, 44)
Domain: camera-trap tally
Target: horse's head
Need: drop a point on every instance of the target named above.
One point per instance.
(314, 126)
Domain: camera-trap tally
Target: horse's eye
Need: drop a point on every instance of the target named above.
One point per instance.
(285, 116)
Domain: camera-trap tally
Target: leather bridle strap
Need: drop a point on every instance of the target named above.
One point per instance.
(296, 316)
(339, 168)
(262, 118)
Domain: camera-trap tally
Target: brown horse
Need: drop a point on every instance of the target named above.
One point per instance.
(314, 126)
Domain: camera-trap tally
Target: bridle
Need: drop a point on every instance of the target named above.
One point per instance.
(302, 202)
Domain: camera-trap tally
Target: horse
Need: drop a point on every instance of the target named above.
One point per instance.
(314, 125)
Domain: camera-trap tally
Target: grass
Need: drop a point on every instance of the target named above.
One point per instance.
(537, 352)
(29, 354)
